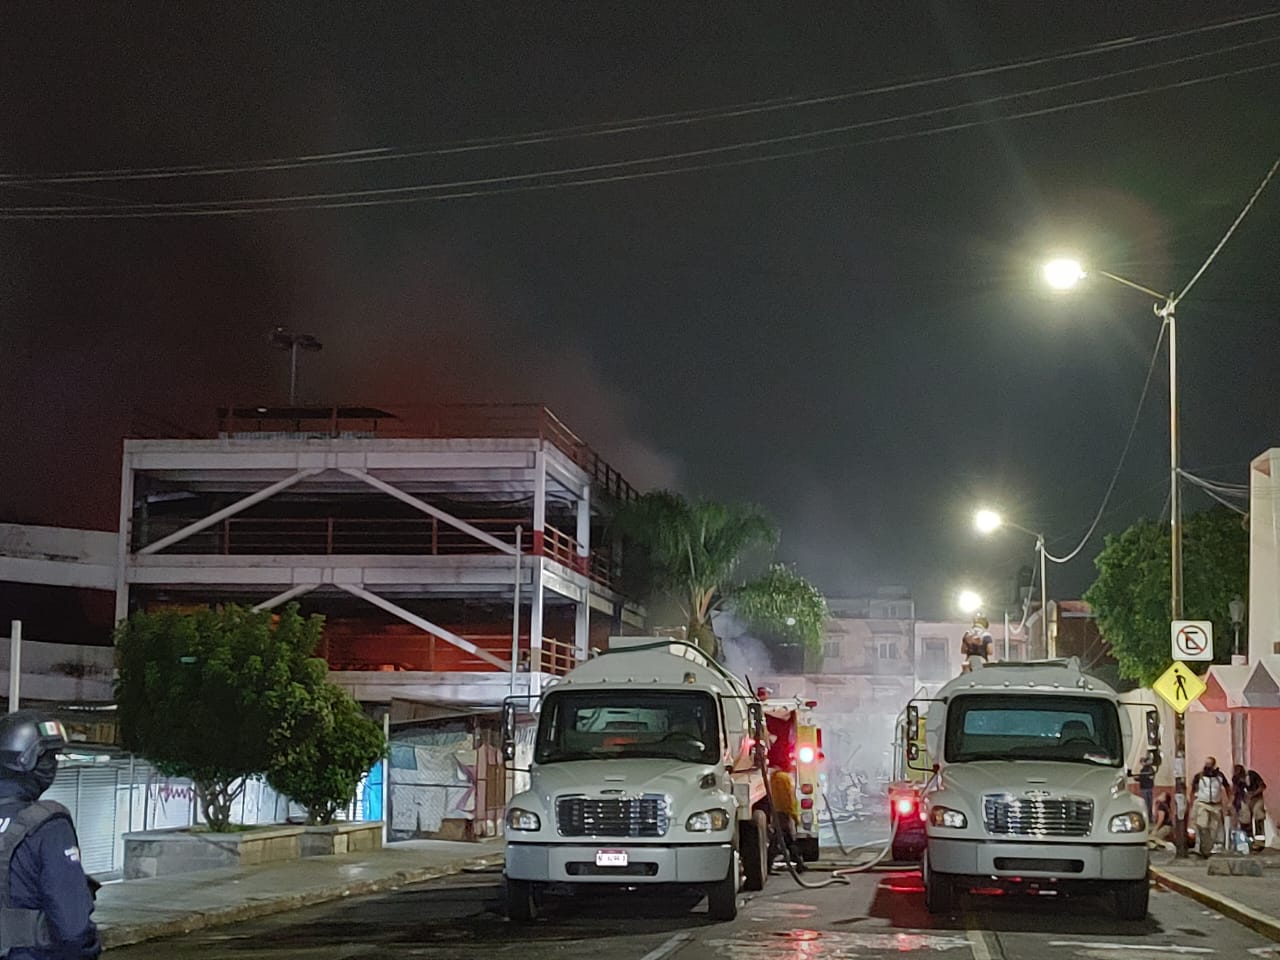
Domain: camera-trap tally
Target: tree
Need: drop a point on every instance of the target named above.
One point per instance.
(695, 551)
(218, 695)
(784, 607)
(1131, 594)
(323, 772)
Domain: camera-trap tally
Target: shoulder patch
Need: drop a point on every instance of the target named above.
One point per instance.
(72, 854)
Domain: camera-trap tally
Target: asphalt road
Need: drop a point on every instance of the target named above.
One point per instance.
(880, 915)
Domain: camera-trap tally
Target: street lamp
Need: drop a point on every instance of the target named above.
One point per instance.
(1064, 274)
(1237, 610)
(987, 522)
(968, 601)
(284, 340)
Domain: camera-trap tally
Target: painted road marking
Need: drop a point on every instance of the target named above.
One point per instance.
(982, 943)
(1149, 947)
(829, 944)
(668, 946)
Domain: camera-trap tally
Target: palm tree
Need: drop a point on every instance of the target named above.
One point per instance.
(692, 551)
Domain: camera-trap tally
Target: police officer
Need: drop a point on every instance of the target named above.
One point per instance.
(45, 895)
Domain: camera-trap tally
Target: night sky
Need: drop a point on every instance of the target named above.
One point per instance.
(854, 338)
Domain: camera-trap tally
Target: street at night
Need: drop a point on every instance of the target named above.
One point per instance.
(878, 915)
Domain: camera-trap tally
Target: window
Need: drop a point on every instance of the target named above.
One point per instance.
(831, 650)
(933, 659)
(887, 648)
(1040, 727)
(583, 725)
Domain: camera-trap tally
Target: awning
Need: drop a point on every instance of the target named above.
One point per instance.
(1262, 689)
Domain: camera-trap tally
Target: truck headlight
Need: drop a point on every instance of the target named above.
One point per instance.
(1128, 823)
(518, 819)
(707, 821)
(946, 817)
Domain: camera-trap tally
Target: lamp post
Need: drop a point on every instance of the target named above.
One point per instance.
(284, 340)
(1065, 274)
(968, 601)
(1237, 610)
(987, 522)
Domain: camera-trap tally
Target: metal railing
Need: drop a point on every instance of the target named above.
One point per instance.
(443, 421)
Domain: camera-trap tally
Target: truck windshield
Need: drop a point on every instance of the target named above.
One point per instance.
(1035, 727)
(590, 725)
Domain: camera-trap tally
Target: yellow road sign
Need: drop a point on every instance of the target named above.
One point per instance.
(1179, 686)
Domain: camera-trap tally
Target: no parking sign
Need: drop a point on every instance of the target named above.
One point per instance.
(1192, 639)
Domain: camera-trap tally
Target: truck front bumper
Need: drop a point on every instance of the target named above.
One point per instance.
(1064, 861)
(576, 863)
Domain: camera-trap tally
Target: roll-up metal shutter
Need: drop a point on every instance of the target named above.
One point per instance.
(96, 819)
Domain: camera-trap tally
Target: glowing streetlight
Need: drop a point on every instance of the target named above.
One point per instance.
(969, 601)
(987, 521)
(1063, 273)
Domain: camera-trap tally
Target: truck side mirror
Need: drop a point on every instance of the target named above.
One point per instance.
(759, 734)
(913, 752)
(913, 720)
(1153, 728)
(508, 731)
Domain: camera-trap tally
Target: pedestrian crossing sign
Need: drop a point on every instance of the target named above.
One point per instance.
(1179, 686)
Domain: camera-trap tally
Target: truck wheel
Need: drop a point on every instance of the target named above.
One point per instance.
(524, 901)
(808, 849)
(722, 896)
(1132, 897)
(754, 845)
(939, 890)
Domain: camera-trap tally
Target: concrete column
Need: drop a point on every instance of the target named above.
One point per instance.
(584, 531)
(582, 629)
(125, 528)
(1264, 556)
(536, 599)
(539, 504)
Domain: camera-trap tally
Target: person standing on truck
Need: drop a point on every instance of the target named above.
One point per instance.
(976, 642)
(1210, 795)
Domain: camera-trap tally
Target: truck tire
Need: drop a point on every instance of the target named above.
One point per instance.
(939, 890)
(524, 901)
(1132, 897)
(808, 849)
(754, 845)
(722, 896)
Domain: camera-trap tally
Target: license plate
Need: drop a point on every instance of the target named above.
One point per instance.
(611, 858)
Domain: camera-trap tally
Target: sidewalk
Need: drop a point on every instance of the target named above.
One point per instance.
(1253, 901)
(131, 911)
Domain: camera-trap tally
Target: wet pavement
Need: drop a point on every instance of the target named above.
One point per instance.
(881, 914)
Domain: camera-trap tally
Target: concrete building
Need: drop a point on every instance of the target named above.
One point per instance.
(458, 553)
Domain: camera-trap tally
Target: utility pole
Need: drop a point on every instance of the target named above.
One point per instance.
(282, 339)
(15, 664)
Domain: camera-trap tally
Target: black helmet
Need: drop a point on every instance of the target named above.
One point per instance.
(25, 737)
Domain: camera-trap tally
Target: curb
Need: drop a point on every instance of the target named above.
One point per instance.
(1255, 920)
(124, 935)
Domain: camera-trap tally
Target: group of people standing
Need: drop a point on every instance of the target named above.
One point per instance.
(1217, 804)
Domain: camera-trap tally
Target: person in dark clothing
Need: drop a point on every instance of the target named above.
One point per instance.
(1247, 794)
(48, 900)
(1147, 784)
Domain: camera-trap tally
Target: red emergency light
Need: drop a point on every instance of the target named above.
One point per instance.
(806, 804)
(905, 805)
(807, 754)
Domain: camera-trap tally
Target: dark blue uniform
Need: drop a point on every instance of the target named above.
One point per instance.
(45, 874)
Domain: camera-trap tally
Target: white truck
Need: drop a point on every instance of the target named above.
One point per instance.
(647, 770)
(1028, 788)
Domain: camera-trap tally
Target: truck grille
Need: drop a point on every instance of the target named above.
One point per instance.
(1037, 818)
(644, 816)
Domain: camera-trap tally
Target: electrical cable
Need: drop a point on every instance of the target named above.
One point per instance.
(145, 211)
(612, 128)
(1230, 230)
(1124, 453)
(307, 198)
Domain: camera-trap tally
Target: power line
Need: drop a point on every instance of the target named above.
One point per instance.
(1230, 230)
(629, 125)
(1115, 475)
(380, 197)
